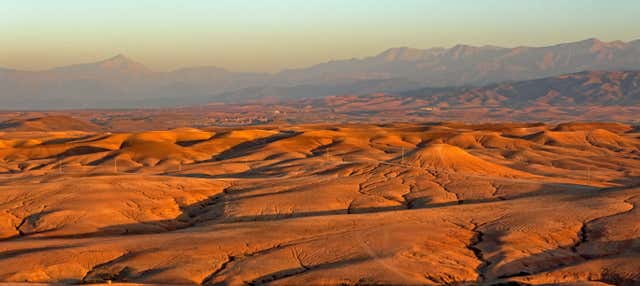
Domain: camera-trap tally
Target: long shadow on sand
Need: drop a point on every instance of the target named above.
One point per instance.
(253, 145)
(587, 247)
(565, 257)
(211, 211)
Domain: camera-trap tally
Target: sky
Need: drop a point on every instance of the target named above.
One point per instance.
(271, 35)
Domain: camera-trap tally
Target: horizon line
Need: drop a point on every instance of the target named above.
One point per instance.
(125, 56)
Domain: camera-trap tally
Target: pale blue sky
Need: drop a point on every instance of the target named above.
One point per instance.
(269, 35)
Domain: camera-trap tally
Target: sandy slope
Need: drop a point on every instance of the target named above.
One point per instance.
(404, 204)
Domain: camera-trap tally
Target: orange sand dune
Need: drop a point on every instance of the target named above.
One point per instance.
(47, 123)
(348, 204)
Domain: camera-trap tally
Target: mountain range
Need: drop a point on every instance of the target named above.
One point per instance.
(121, 82)
(588, 88)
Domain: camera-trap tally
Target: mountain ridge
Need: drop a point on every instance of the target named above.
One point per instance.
(121, 82)
(121, 57)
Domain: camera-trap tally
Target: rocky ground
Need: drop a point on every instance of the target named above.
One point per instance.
(349, 204)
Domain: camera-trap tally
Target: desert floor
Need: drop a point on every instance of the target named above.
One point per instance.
(349, 204)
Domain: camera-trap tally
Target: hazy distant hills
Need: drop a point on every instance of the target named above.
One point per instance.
(583, 89)
(596, 88)
(120, 82)
(469, 65)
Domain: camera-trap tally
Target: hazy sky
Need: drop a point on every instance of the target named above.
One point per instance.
(269, 35)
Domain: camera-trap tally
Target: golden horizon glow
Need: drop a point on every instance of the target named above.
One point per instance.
(274, 35)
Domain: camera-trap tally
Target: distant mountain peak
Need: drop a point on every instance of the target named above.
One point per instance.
(401, 53)
(413, 54)
(597, 45)
(121, 62)
(593, 41)
(118, 64)
(462, 47)
(119, 58)
(119, 81)
(460, 51)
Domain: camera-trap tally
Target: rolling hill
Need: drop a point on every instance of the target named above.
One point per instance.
(324, 204)
(597, 88)
(48, 123)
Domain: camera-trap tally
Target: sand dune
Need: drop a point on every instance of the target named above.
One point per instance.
(451, 159)
(349, 204)
(48, 123)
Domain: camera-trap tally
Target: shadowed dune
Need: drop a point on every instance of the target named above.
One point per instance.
(48, 123)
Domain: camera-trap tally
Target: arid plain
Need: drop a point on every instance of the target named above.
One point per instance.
(320, 143)
(323, 204)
